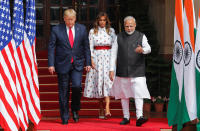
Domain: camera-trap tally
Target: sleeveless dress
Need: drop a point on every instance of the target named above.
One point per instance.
(98, 83)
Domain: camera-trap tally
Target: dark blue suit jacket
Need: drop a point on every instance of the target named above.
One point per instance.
(60, 52)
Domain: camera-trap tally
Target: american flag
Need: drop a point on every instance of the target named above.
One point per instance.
(30, 57)
(23, 85)
(9, 116)
(19, 87)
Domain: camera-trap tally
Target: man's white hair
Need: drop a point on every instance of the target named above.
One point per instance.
(129, 18)
(69, 12)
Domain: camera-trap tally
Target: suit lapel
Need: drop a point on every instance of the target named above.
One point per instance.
(76, 35)
(65, 36)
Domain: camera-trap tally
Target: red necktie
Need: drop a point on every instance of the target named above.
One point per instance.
(71, 40)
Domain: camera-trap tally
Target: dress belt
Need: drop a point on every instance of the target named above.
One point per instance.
(102, 47)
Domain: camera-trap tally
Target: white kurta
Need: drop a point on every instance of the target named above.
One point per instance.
(126, 87)
(98, 83)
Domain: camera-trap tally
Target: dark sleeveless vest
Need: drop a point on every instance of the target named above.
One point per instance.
(130, 63)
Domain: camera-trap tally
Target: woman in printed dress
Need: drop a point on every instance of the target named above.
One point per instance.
(98, 84)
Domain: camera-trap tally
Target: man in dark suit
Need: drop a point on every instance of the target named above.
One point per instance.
(68, 52)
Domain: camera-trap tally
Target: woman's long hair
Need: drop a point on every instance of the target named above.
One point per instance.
(96, 23)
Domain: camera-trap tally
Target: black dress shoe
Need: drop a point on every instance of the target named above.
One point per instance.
(125, 121)
(141, 121)
(65, 122)
(75, 116)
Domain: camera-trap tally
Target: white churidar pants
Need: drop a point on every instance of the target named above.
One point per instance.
(138, 105)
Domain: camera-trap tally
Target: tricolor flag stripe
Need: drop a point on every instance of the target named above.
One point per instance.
(191, 20)
(179, 19)
(173, 113)
(197, 65)
(189, 106)
(178, 37)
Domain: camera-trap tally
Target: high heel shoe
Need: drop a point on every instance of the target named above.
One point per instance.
(107, 116)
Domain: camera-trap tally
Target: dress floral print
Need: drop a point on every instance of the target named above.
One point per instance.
(98, 83)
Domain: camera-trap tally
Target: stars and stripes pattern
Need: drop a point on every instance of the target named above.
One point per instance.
(18, 36)
(30, 55)
(9, 116)
(19, 87)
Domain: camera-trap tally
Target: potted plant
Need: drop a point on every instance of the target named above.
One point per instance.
(158, 103)
(147, 105)
(166, 100)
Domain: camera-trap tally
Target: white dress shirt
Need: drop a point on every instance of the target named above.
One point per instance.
(73, 31)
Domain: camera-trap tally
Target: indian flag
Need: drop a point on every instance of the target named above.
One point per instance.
(173, 113)
(197, 66)
(188, 99)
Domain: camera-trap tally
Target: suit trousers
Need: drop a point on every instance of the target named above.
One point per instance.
(64, 88)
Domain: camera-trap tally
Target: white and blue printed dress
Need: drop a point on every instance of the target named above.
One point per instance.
(98, 83)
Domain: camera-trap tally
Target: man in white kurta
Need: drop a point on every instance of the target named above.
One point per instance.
(127, 56)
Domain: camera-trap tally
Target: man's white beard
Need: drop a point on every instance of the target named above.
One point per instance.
(130, 33)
